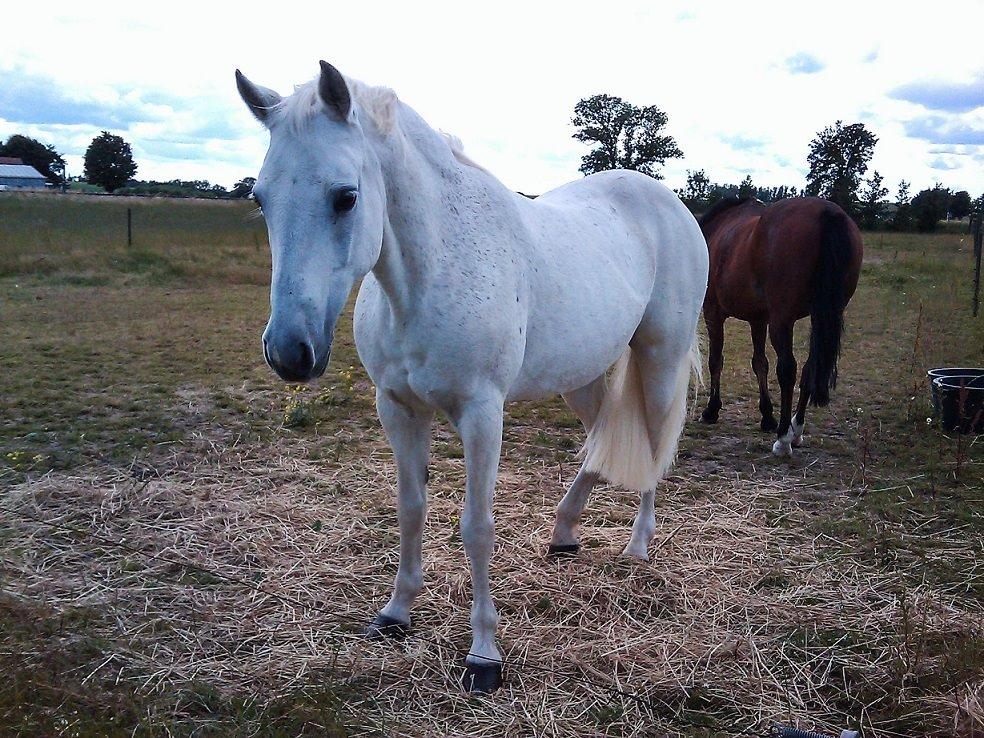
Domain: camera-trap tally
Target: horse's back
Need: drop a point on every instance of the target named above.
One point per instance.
(641, 209)
(601, 247)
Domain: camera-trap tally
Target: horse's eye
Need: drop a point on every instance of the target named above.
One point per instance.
(345, 201)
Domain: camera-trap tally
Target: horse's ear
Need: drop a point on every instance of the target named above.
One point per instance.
(333, 90)
(259, 100)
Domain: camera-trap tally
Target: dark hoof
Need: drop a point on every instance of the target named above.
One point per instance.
(484, 677)
(386, 627)
(563, 549)
(709, 417)
(768, 424)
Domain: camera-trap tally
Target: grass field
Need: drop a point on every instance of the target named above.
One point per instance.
(841, 587)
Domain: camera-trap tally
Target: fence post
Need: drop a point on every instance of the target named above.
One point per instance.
(129, 227)
(977, 261)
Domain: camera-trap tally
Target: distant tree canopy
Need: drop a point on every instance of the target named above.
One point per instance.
(930, 206)
(960, 204)
(747, 188)
(699, 193)
(871, 200)
(697, 189)
(175, 188)
(42, 157)
(838, 159)
(243, 187)
(902, 218)
(109, 162)
(625, 136)
(775, 194)
(977, 206)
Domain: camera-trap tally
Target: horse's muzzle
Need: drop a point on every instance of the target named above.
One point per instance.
(294, 359)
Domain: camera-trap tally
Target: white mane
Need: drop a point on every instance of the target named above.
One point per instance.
(378, 103)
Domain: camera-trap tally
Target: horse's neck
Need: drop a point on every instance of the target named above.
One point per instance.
(428, 194)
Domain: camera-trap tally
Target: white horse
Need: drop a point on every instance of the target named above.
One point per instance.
(473, 296)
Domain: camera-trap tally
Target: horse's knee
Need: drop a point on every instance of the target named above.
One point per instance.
(477, 532)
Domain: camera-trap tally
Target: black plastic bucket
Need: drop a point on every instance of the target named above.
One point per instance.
(961, 402)
(949, 371)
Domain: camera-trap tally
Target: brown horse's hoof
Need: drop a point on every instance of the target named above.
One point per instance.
(768, 425)
(709, 417)
(482, 677)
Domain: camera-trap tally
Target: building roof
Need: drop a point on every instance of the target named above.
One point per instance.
(19, 171)
(10, 160)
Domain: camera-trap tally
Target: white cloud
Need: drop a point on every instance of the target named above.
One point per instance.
(505, 77)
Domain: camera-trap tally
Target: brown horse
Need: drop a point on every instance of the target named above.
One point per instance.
(771, 265)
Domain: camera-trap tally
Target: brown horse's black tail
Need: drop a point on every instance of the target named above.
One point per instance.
(827, 309)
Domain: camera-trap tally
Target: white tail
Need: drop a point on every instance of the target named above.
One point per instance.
(619, 447)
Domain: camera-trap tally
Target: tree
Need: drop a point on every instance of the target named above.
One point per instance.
(871, 199)
(694, 193)
(775, 194)
(746, 188)
(902, 219)
(929, 207)
(838, 159)
(109, 162)
(960, 204)
(42, 157)
(627, 136)
(243, 187)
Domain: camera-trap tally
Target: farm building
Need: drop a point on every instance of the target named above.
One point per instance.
(20, 177)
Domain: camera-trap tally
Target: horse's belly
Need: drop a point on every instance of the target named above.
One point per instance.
(577, 330)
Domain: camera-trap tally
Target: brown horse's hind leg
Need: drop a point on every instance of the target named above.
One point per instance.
(782, 341)
(760, 365)
(715, 361)
(799, 419)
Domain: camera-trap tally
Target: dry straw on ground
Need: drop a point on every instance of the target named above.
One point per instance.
(741, 618)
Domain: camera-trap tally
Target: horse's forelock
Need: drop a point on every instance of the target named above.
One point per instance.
(378, 103)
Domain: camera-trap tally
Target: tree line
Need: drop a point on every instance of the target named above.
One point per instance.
(621, 136)
(109, 165)
(625, 136)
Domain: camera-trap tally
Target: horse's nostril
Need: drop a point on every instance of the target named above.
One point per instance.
(307, 355)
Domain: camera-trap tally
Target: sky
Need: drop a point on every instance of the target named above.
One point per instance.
(746, 85)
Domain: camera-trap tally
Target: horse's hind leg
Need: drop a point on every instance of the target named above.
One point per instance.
(798, 423)
(760, 365)
(408, 430)
(781, 335)
(714, 320)
(665, 372)
(585, 402)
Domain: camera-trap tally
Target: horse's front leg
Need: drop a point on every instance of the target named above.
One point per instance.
(480, 427)
(408, 429)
